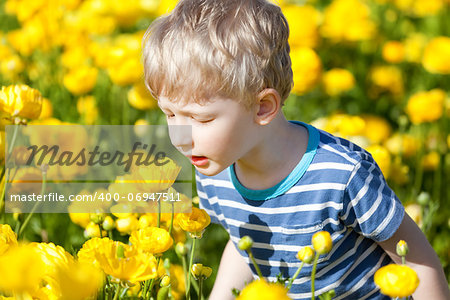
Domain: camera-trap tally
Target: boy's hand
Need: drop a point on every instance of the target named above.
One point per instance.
(422, 258)
(233, 273)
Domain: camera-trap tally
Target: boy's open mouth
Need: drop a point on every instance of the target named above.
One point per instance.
(199, 160)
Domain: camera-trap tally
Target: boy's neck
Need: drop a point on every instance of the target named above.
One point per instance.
(280, 149)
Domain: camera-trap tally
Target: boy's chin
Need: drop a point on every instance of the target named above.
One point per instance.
(209, 170)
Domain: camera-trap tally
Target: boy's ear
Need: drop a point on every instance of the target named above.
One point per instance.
(268, 104)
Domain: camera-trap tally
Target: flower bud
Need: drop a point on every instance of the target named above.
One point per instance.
(108, 223)
(322, 242)
(402, 248)
(200, 271)
(423, 198)
(245, 243)
(181, 249)
(97, 218)
(165, 281)
(306, 254)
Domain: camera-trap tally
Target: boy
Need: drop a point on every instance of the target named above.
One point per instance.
(223, 68)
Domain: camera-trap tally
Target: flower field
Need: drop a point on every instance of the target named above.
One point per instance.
(376, 72)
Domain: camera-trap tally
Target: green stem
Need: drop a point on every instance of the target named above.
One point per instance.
(25, 223)
(295, 276)
(200, 284)
(250, 254)
(152, 281)
(116, 296)
(419, 165)
(100, 230)
(144, 292)
(2, 196)
(188, 296)
(183, 260)
(13, 140)
(403, 260)
(313, 275)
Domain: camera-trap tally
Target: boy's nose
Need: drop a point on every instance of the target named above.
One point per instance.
(181, 138)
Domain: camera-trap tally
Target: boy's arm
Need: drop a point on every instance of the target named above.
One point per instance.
(233, 272)
(422, 258)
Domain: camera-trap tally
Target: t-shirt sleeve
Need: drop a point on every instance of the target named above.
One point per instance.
(204, 202)
(370, 207)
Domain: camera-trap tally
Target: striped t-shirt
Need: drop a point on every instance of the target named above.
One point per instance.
(337, 187)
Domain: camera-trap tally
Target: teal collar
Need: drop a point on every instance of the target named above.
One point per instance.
(285, 184)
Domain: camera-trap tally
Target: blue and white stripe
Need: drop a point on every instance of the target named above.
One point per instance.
(338, 188)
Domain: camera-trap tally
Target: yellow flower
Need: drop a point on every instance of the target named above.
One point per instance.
(393, 52)
(80, 80)
(420, 8)
(414, 45)
(199, 270)
(426, 106)
(262, 290)
(431, 161)
(396, 280)
(78, 281)
(402, 248)
(414, 210)
(337, 81)
(8, 238)
(177, 281)
(403, 144)
(47, 109)
(126, 73)
(321, 242)
(436, 56)
(382, 157)
(52, 256)
(87, 108)
(21, 100)
(306, 254)
(21, 270)
(147, 220)
(119, 260)
(307, 69)
(303, 25)
(386, 79)
(81, 219)
(195, 221)
(139, 97)
(127, 225)
(151, 239)
(11, 65)
(93, 230)
(348, 20)
(376, 128)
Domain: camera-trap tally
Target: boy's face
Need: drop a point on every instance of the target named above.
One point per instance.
(223, 131)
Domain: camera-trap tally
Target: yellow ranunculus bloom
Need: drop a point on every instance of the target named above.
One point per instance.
(81, 80)
(47, 109)
(382, 157)
(307, 69)
(386, 79)
(139, 97)
(377, 129)
(78, 281)
(200, 271)
(151, 239)
(127, 72)
(81, 219)
(119, 260)
(348, 20)
(87, 108)
(404, 144)
(426, 106)
(420, 8)
(306, 254)
(21, 270)
(177, 282)
(414, 210)
(92, 230)
(414, 45)
(436, 56)
(52, 256)
(127, 225)
(396, 280)
(195, 221)
(303, 25)
(431, 161)
(262, 290)
(21, 100)
(337, 81)
(322, 242)
(8, 238)
(393, 52)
